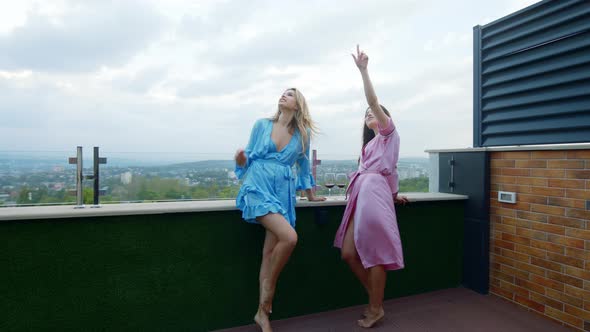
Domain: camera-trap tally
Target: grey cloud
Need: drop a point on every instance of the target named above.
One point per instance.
(225, 17)
(346, 96)
(98, 34)
(230, 80)
(26, 107)
(37, 115)
(143, 81)
(317, 32)
(298, 33)
(427, 77)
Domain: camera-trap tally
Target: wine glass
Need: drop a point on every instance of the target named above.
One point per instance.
(329, 182)
(341, 180)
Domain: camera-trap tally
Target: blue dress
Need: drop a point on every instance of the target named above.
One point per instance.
(269, 180)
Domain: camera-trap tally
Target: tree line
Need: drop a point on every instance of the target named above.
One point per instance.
(146, 189)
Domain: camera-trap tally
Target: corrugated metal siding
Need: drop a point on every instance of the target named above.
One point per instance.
(532, 76)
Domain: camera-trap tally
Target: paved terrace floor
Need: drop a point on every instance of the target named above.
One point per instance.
(455, 309)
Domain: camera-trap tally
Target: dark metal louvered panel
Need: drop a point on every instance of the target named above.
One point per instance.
(536, 38)
(535, 68)
(542, 124)
(549, 51)
(532, 76)
(553, 137)
(547, 94)
(558, 107)
(533, 12)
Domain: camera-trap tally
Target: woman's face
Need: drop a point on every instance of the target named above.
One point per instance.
(288, 100)
(370, 119)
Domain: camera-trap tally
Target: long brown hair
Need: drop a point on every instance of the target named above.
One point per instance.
(368, 133)
(301, 121)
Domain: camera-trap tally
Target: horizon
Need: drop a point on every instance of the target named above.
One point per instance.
(145, 156)
(61, 160)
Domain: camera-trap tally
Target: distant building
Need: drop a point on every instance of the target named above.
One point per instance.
(126, 178)
(58, 186)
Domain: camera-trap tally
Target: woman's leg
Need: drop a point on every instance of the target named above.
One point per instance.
(286, 239)
(270, 241)
(351, 256)
(377, 279)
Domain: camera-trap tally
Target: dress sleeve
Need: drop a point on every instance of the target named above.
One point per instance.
(393, 182)
(387, 130)
(304, 177)
(391, 140)
(254, 137)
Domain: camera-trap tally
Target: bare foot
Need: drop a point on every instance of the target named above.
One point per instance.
(261, 318)
(371, 318)
(365, 312)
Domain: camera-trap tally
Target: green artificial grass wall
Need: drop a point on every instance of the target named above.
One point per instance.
(199, 271)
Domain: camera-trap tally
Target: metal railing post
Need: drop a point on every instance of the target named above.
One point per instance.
(80, 177)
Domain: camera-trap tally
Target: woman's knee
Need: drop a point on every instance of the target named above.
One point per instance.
(348, 255)
(290, 238)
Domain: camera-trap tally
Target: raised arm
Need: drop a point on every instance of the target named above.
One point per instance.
(362, 60)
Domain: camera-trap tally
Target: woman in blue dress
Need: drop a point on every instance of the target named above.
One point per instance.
(267, 195)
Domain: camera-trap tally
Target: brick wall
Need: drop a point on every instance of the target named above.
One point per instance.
(540, 246)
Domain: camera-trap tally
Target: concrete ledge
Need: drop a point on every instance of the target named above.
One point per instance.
(68, 211)
(576, 146)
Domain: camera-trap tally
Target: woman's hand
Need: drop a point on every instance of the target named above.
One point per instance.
(316, 198)
(240, 157)
(403, 200)
(361, 59)
(312, 197)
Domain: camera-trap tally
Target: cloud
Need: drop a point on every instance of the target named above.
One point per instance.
(20, 104)
(225, 17)
(193, 77)
(232, 81)
(85, 38)
(304, 33)
(142, 81)
(40, 115)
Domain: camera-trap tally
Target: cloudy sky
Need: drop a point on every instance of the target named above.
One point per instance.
(189, 78)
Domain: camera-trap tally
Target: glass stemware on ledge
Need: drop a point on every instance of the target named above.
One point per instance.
(341, 182)
(329, 182)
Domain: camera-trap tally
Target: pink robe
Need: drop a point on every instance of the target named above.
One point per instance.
(370, 203)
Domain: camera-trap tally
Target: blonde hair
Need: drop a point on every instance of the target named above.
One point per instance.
(302, 119)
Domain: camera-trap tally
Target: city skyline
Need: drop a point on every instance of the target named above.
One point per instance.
(45, 182)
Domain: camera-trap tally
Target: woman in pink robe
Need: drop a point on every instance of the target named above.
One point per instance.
(368, 235)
